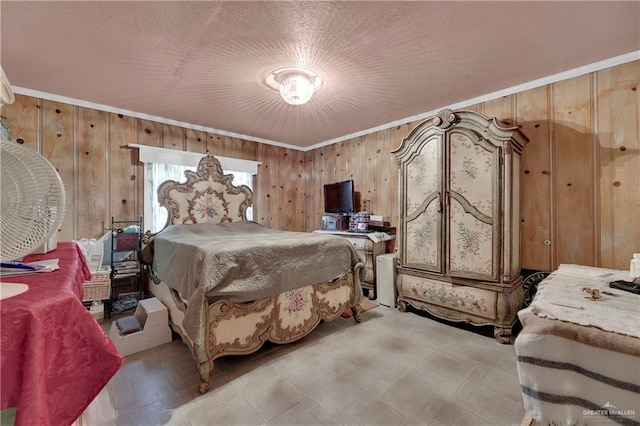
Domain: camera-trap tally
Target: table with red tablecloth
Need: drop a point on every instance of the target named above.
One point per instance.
(55, 358)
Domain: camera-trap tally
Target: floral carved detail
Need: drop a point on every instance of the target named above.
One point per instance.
(466, 301)
(468, 241)
(208, 204)
(422, 235)
(206, 207)
(296, 301)
(420, 172)
(469, 168)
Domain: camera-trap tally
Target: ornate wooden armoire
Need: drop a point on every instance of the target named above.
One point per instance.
(459, 232)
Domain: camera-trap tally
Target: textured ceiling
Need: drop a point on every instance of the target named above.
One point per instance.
(204, 63)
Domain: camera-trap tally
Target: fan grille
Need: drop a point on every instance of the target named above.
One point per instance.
(32, 200)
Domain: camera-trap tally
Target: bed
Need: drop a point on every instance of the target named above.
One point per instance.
(231, 284)
(578, 353)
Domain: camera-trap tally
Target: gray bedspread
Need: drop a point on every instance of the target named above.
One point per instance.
(243, 261)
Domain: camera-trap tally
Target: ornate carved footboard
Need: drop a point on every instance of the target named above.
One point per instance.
(243, 327)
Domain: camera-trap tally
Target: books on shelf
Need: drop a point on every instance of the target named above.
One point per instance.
(125, 272)
(378, 218)
(126, 264)
(126, 268)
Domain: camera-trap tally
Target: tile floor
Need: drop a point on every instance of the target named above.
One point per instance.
(394, 368)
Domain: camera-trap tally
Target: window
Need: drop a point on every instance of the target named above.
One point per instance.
(162, 164)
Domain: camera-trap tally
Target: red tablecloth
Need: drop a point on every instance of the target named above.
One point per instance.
(55, 357)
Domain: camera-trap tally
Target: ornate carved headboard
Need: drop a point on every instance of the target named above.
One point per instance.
(208, 196)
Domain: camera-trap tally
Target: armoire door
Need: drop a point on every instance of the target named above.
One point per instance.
(422, 207)
(472, 198)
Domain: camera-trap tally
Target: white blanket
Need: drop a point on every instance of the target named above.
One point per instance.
(579, 359)
(561, 296)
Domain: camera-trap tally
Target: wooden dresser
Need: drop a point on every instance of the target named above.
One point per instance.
(459, 244)
(369, 250)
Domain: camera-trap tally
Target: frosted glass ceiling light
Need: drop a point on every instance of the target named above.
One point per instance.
(296, 85)
(296, 89)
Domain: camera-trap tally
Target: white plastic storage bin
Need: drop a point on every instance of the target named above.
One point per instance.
(147, 328)
(386, 279)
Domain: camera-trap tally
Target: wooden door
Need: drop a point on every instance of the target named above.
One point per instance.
(422, 209)
(472, 200)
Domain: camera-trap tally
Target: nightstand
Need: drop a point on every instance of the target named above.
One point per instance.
(369, 247)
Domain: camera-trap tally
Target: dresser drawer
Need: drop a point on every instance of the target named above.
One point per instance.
(461, 298)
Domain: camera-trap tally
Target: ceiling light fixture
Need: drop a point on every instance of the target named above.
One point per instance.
(296, 85)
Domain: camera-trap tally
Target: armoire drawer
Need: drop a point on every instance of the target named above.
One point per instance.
(462, 298)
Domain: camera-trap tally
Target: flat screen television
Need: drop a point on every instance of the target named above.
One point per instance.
(339, 197)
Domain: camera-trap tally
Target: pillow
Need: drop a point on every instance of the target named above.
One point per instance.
(128, 325)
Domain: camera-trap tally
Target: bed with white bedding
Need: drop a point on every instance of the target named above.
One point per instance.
(231, 284)
(579, 356)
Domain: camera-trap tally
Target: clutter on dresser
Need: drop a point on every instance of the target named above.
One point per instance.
(359, 222)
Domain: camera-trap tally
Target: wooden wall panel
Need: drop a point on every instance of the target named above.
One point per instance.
(147, 133)
(262, 197)
(249, 150)
(297, 177)
(340, 169)
(196, 141)
(276, 194)
(288, 190)
(314, 199)
(216, 145)
(124, 165)
(91, 183)
(619, 163)
(57, 138)
(324, 166)
(574, 181)
(380, 202)
(536, 194)
(363, 171)
(174, 137)
(501, 108)
(23, 119)
(350, 161)
(477, 108)
(232, 147)
(330, 166)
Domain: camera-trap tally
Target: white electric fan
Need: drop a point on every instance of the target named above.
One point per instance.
(32, 199)
(32, 204)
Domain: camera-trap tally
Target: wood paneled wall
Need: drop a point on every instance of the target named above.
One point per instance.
(104, 178)
(580, 173)
(580, 181)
